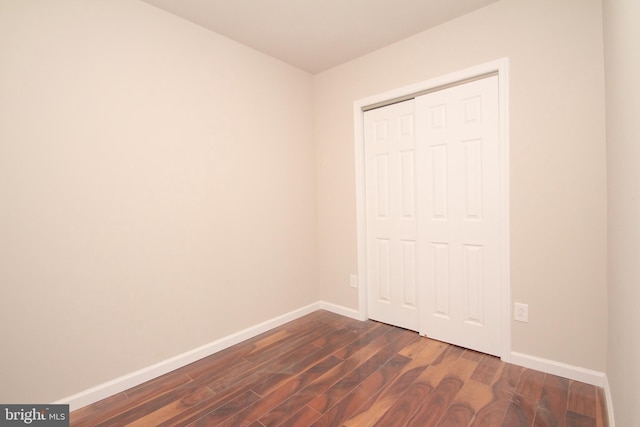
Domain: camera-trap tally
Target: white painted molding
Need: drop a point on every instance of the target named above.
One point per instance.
(140, 376)
(560, 369)
(343, 311)
(609, 402)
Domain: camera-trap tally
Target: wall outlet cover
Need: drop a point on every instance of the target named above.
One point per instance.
(353, 281)
(521, 312)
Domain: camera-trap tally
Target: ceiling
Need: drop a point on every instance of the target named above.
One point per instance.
(315, 35)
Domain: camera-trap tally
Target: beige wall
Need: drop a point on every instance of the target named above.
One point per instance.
(558, 163)
(622, 60)
(145, 180)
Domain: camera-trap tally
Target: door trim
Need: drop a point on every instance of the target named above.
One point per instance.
(501, 67)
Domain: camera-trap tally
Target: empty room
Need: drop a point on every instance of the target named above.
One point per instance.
(306, 212)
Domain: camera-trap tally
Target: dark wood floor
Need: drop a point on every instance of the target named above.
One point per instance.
(328, 370)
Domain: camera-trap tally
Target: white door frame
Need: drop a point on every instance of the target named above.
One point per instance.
(501, 67)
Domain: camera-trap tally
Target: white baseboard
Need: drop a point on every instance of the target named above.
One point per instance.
(558, 368)
(609, 402)
(588, 376)
(343, 311)
(140, 376)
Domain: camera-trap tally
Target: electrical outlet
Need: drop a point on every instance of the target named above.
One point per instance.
(353, 281)
(521, 312)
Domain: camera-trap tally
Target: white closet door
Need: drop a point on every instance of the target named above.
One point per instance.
(392, 248)
(458, 200)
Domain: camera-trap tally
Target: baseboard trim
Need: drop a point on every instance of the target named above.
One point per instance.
(558, 368)
(140, 376)
(343, 311)
(609, 402)
(596, 378)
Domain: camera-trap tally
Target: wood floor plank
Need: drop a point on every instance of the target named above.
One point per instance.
(573, 419)
(397, 341)
(322, 384)
(472, 397)
(256, 372)
(413, 349)
(445, 378)
(216, 408)
(486, 369)
(530, 384)
(553, 403)
(279, 395)
(90, 414)
(503, 385)
(173, 409)
(235, 387)
(222, 412)
(450, 365)
(517, 414)
(101, 411)
(218, 365)
(378, 329)
(406, 406)
(301, 337)
(582, 398)
(473, 355)
(311, 365)
(327, 370)
(507, 379)
(274, 350)
(304, 417)
(436, 405)
(337, 340)
(378, 405)
(371, 413)
(131, 415)
(523, 406)
(493, 413)
(367, 391)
